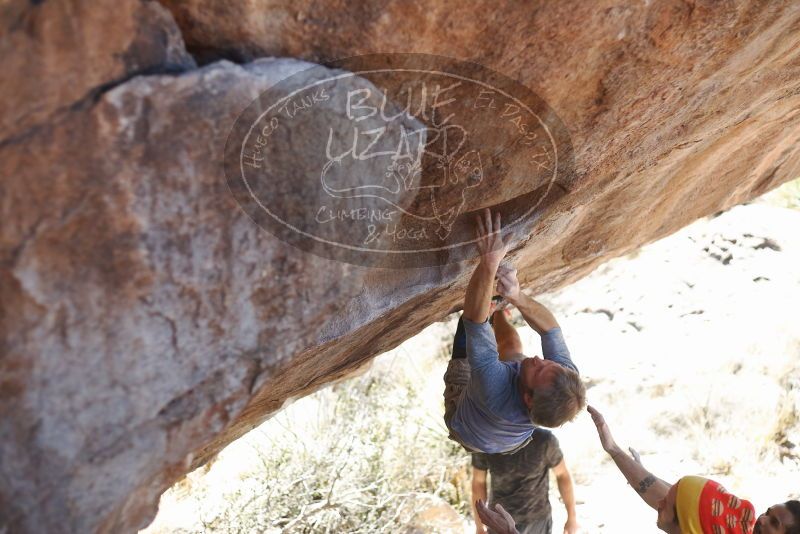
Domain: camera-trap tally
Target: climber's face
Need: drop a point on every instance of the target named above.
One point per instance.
(537, 373)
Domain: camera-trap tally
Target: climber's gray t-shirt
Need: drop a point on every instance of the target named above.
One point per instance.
(490, 416)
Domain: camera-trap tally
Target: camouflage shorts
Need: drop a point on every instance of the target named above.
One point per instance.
(456, 379)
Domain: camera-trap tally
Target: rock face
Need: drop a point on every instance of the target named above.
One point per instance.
(145, 321)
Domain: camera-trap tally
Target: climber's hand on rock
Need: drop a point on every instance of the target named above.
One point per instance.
(491, 245)
(507, 283)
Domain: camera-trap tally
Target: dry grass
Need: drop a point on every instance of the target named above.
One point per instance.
(364, 456)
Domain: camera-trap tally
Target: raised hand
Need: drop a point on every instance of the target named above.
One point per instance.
(491, 245)
(497, 519)
(507, 283)
(606, 439)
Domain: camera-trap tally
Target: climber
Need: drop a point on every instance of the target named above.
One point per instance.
(695, 505)
(520, 480)
(491, 405)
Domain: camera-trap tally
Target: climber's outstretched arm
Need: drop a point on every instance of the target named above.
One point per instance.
(492, 250)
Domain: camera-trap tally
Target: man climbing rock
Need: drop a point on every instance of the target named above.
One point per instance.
(491, 405)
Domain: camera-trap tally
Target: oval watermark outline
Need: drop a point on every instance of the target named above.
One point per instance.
(421, 71)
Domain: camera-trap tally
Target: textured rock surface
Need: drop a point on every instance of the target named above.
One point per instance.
(145, 322)
(57, 54)
(132, 372)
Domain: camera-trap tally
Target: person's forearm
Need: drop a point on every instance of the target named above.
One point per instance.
(567, 493)
(649, 487)
(478, 492)
(537, 316)
(479, 292)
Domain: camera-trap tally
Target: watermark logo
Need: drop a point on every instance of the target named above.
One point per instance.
(383, 160)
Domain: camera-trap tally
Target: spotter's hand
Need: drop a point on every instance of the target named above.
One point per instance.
(606, 439)
(496, 518)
